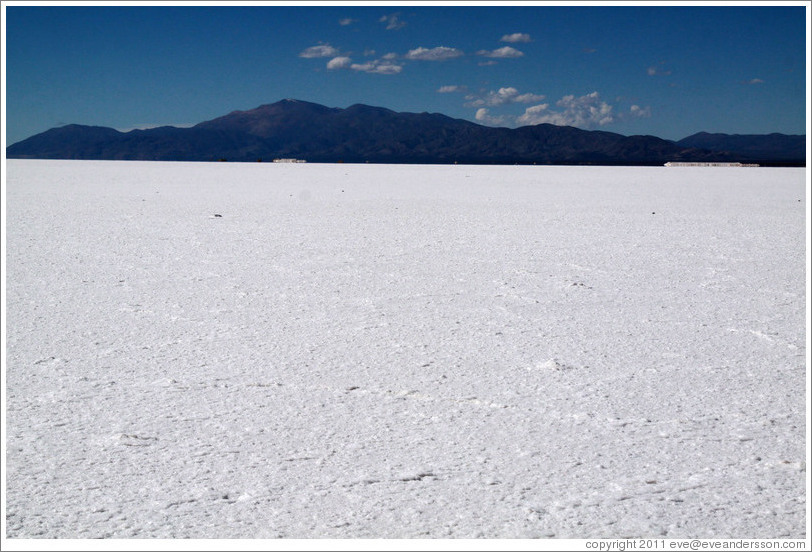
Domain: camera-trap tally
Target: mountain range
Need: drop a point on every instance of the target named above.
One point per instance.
(362, 133)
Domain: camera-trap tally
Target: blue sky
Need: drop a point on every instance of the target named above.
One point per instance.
(659, 69)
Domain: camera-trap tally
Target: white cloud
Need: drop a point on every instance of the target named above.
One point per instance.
(450, 88)
(392, 21)
(487, 63)
(637, 111)
(502, 96)
(383, 66)
(440, 53)
(534, 112)
(340, 62)
(754, 81)
(378, 66)
(346, 21)
(320, 51)
(483, 117)
(584, 111)
(528, 98)
(503, 52)
(516, 37)
(390, 56)
(588, 111)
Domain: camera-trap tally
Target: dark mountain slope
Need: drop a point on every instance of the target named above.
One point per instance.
(776, 147)
(359, 133)
(67, 142)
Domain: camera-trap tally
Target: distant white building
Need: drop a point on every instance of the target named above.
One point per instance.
(708, 164)
(289, 161)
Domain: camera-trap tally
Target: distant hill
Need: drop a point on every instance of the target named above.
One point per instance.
(362, 133)
(757, 147)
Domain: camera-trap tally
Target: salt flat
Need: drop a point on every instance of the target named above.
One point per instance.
(354, 351)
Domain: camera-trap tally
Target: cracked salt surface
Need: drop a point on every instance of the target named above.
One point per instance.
(355, 351)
